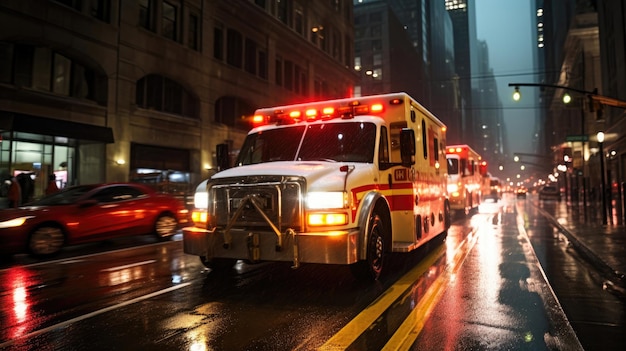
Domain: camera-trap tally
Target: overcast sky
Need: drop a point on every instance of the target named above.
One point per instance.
(506, 27)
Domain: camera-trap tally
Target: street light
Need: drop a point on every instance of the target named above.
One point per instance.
(516, 94)
(567, 98)
(600, 137)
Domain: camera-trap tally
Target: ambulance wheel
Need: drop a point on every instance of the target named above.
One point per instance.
(372, 267)
(218, 264)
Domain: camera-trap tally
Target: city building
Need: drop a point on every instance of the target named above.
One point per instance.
(144, 90)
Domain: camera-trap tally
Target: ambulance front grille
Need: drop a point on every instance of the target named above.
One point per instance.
(279, 198)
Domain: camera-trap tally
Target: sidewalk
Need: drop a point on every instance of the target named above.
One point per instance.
(603, 245)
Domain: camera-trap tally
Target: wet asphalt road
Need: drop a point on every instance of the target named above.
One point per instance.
(153, 296)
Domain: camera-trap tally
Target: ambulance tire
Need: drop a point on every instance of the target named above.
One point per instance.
(372, 267)
(447, 215)
(218, 264)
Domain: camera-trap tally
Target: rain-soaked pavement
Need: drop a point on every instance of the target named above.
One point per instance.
(483, 288)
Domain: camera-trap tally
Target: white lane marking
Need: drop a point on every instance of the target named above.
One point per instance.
(71, 261)
(77, 258)
(127, 266)
(92, 314)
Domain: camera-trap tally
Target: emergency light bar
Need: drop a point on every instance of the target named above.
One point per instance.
(307, 113)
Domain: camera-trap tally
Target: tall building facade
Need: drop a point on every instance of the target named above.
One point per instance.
(463, 16)
(384, 56)
(102, 90)
(490, 141)
(417, 47)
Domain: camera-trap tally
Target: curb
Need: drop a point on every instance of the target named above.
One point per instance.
(614, 279)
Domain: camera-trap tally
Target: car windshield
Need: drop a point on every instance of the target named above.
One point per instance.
(453, 166)
(64, 197)
(343, 142)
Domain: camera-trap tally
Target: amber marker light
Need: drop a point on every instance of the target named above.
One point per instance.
(327, 219)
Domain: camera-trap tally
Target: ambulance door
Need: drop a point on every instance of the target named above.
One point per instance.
(399, 188)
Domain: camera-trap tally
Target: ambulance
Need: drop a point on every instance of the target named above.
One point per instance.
(345, 181)
(464, 178)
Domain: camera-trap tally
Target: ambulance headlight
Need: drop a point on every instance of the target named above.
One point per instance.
(201, 199)
(453, 188)
(326, 199)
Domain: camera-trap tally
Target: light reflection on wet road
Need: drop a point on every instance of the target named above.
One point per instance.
(155, 297)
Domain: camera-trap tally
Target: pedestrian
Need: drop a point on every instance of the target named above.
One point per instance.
(52, 185)
(15, 194)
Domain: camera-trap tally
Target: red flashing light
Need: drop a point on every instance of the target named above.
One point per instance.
(328, 111)
(258, 119)
(295, 114)
(311, 112)
(395, 102)
(377, 108)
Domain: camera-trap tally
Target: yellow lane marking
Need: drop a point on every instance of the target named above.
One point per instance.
(414, 323)
(357, 326)
(412, 326)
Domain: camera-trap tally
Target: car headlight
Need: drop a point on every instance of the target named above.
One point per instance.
(326, 199)
(14, 222)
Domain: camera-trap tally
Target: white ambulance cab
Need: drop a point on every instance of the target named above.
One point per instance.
(344, 181)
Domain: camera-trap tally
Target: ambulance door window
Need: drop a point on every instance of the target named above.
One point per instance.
(424, 140)
(394, 133)
(383, 148)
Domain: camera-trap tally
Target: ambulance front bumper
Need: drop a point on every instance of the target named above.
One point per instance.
(332, 247)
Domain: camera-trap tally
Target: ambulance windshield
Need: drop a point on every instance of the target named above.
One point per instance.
(333, 142)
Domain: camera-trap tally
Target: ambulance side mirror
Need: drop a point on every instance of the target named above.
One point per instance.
(222, 157)
(407, 147)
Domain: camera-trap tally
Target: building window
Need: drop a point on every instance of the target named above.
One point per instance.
(289, 75)
(347, 51)
(262, 64)
(299, 21)
(284, 12)
(234, 50)
(260, 3)
(193, 30)
(61, 75)
(232, 111)
(101, 9)
(6, 62)
(75, 4)
(251, 57)
(377, 45)
(218, 43)
(279, 71)
(377, 59)
(146, 14)
(158, 93)
(169, 24)
(42, 69)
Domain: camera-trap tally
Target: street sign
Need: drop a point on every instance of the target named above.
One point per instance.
(577, 138)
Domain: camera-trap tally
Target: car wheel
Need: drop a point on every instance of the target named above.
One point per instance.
(165, 225)
(46, 240)
(372, 267)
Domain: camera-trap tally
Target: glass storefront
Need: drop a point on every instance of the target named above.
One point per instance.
(31, 158)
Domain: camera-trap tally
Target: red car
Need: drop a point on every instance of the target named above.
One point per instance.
(87, 213)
